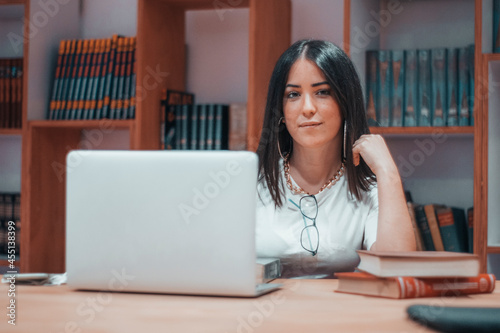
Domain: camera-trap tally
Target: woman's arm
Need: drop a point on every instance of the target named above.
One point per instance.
(394, 230)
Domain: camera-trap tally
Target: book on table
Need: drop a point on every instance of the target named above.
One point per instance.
(419, 263)
(412, 287)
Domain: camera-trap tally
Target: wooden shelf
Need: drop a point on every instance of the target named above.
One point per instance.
(12, 2)
(427, 130)
(11, 131)
(493, 249)
(207, 4)
(83, 124)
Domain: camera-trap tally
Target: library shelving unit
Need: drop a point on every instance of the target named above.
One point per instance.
(12, 13)
(444, 23)
(161, 46)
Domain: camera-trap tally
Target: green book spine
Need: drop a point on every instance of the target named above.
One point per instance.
(438, 84)
(385, 87)
(452, 87)
(463, 88)
(194, 127)
(398, 80)
(424, 88)
(372, 87)
(410, 105)
(57, 79)
(202, 136)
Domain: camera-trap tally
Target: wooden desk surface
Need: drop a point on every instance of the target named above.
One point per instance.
(301, 306)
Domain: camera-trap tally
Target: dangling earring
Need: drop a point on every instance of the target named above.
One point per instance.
(280, 121)
(344, 157)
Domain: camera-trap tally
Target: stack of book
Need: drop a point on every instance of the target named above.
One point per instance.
(10, 212)
(94, 79)
(424, 87)
(11, 92)
(416, 274)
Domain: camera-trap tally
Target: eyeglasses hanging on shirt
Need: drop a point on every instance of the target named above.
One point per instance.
(309, 237)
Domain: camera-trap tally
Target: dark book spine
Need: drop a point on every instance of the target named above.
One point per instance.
(194, 127)
(68, 80)
(131, 109)
(221, 127)
(385, 87)
(210, 126)
(81, 113)
(372, 87)
(411, 92)
(438, 84)
(170, 128)
(398, 79)
(202, 137)
(423, 225)
(63, 80)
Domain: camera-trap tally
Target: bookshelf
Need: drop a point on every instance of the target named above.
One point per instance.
(11, 14)
(161, 48)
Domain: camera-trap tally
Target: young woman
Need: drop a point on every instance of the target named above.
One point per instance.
(326, 186)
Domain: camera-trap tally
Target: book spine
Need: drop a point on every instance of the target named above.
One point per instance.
(57, 79)
(496, 26)
(411, 287)
(66, 76)
(210, 127)
(371, 87)
(449, 230)
(185, 126)
(91, 103)
(385, 87)
(127, 80)
(106, 113)
(131, 110)
(102, 79)
(424, 228)
(452, 87)
(178, 126)
(438, 102)
(398, 74)
(194, 127)
(418, 235)
(424, 88)
(470, 73)
(238, 126)
(463, 88)
(202, 137)
(470, 229)
(82, 112)
(430, 213)
(170, 130)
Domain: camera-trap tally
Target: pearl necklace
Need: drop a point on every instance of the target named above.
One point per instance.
(298, 190)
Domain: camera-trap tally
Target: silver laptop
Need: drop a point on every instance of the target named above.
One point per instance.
(179, 222)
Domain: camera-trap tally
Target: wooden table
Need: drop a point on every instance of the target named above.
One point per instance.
(301, 306)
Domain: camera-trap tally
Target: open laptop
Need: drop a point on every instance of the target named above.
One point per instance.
(179, 222)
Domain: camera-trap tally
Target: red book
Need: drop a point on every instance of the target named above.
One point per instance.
(411, 287)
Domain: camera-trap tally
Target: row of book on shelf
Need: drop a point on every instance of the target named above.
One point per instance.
(420, 87)
(11, 92)
(94, 79)
(187, 125)
(441, 228)
(10, 211)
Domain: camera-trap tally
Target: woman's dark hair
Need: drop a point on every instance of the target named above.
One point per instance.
(346, 89)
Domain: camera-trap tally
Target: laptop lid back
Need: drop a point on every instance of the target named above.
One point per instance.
(161, 221)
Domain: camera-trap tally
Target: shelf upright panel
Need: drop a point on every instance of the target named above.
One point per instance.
(269, 37)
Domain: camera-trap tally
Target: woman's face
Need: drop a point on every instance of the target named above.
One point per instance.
(312, 116)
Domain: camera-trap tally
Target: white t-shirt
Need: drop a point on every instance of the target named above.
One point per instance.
(344, 224)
